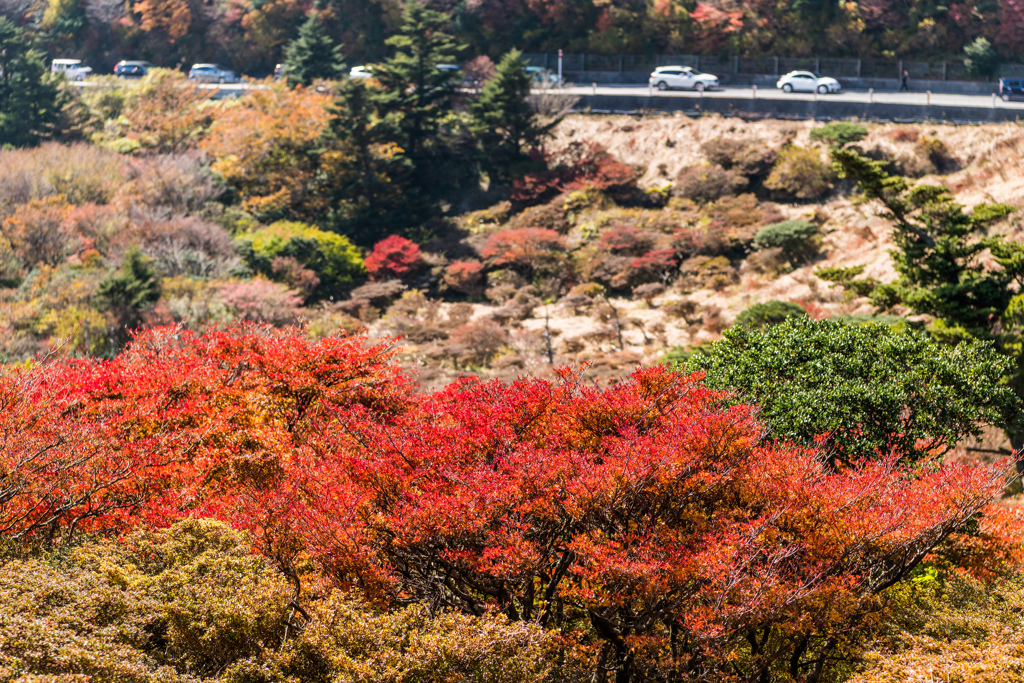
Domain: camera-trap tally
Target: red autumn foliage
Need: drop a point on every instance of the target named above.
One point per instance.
(582, 164)
(655, 264)
(651, 516)
(624, 239)
(464, 276)
(393, 257)
(522, 247)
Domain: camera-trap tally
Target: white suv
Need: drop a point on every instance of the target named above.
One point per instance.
(73, 69)
(668, 77)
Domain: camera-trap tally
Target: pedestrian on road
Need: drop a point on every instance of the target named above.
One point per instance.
(905, 82)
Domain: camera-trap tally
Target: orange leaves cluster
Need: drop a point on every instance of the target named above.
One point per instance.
(649, 514)
(170, 17)
(261, 146)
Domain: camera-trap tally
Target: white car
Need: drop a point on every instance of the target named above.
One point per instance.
(668, 77)
(360, 72)
(807, 81)
(73, 69)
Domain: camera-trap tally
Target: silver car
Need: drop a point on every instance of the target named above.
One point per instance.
(212, 73)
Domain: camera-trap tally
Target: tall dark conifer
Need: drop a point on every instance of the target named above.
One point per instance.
(30, 100)
(504, 121)
(313, 55)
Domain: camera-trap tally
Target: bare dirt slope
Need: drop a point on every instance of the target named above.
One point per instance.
(987, 164)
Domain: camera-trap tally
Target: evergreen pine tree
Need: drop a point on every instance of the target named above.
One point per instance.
(30, 100)
(503, 120)
(371, 191)
(415, 93)
(313, 55)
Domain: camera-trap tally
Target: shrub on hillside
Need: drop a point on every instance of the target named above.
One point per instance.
(476, 342)
(175, 183)
(580, 165)
(707, 183)
(743, 156)
(394, 257)
(332, 257)
(81, 173)
(184, 245)
(524, 249)
(164, 114)
(796, 238)
(466, 277)
(839, 133)
(260, 300)
(766, 313)
(625, 240)
(42, 232)
(800, 173)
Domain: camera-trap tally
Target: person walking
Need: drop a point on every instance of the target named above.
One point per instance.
(905, 82)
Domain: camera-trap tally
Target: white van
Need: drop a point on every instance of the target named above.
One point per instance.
(73, 69)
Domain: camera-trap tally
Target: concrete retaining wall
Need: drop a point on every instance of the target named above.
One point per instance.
(798, 108)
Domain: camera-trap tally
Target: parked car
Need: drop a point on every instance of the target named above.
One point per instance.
(132, 68)
(1011, 89)
(73, 69)
(669, 77)
(807, 81)
(360, 72)
(541, 76)
(212, 73)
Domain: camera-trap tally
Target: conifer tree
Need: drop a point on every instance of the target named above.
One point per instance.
(30, 100)
(415, 93)
(369, 175)
(313, 55)
(503, 120)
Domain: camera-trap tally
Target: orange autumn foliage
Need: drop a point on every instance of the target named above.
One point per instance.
(261, 146)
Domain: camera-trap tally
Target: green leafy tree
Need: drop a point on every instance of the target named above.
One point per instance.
(861, 390)
(313, 55)
(940, 249)
(503, 120)
(30, 100)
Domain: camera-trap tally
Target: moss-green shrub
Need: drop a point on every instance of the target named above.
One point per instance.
(334, 260)
(796, 238)
(769, 313)
(800, 173)
(839, 133)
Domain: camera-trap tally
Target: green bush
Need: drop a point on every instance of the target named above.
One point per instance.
(839, 133)
(769, 313)
(796, 238)
(800, 173)
(334, 260)
(981, 58)
(861, 391)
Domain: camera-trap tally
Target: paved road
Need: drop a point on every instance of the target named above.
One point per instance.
(887, 97)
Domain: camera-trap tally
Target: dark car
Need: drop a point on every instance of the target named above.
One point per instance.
(131, 68)
(1011, 89)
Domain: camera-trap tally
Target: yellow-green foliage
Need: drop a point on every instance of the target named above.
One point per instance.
(956, 630)
(334, 259)
(193, 603)
(800, 173)
(347, 641)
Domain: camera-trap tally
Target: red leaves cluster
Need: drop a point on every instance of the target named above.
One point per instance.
(393, 257)
(521, 246)
(582, 164)
(649, 514)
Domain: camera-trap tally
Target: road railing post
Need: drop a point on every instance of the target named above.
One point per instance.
(753, 92)
(993, 100)
(650, 89)
(927, 98)
(871, 95)
(594, 87)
